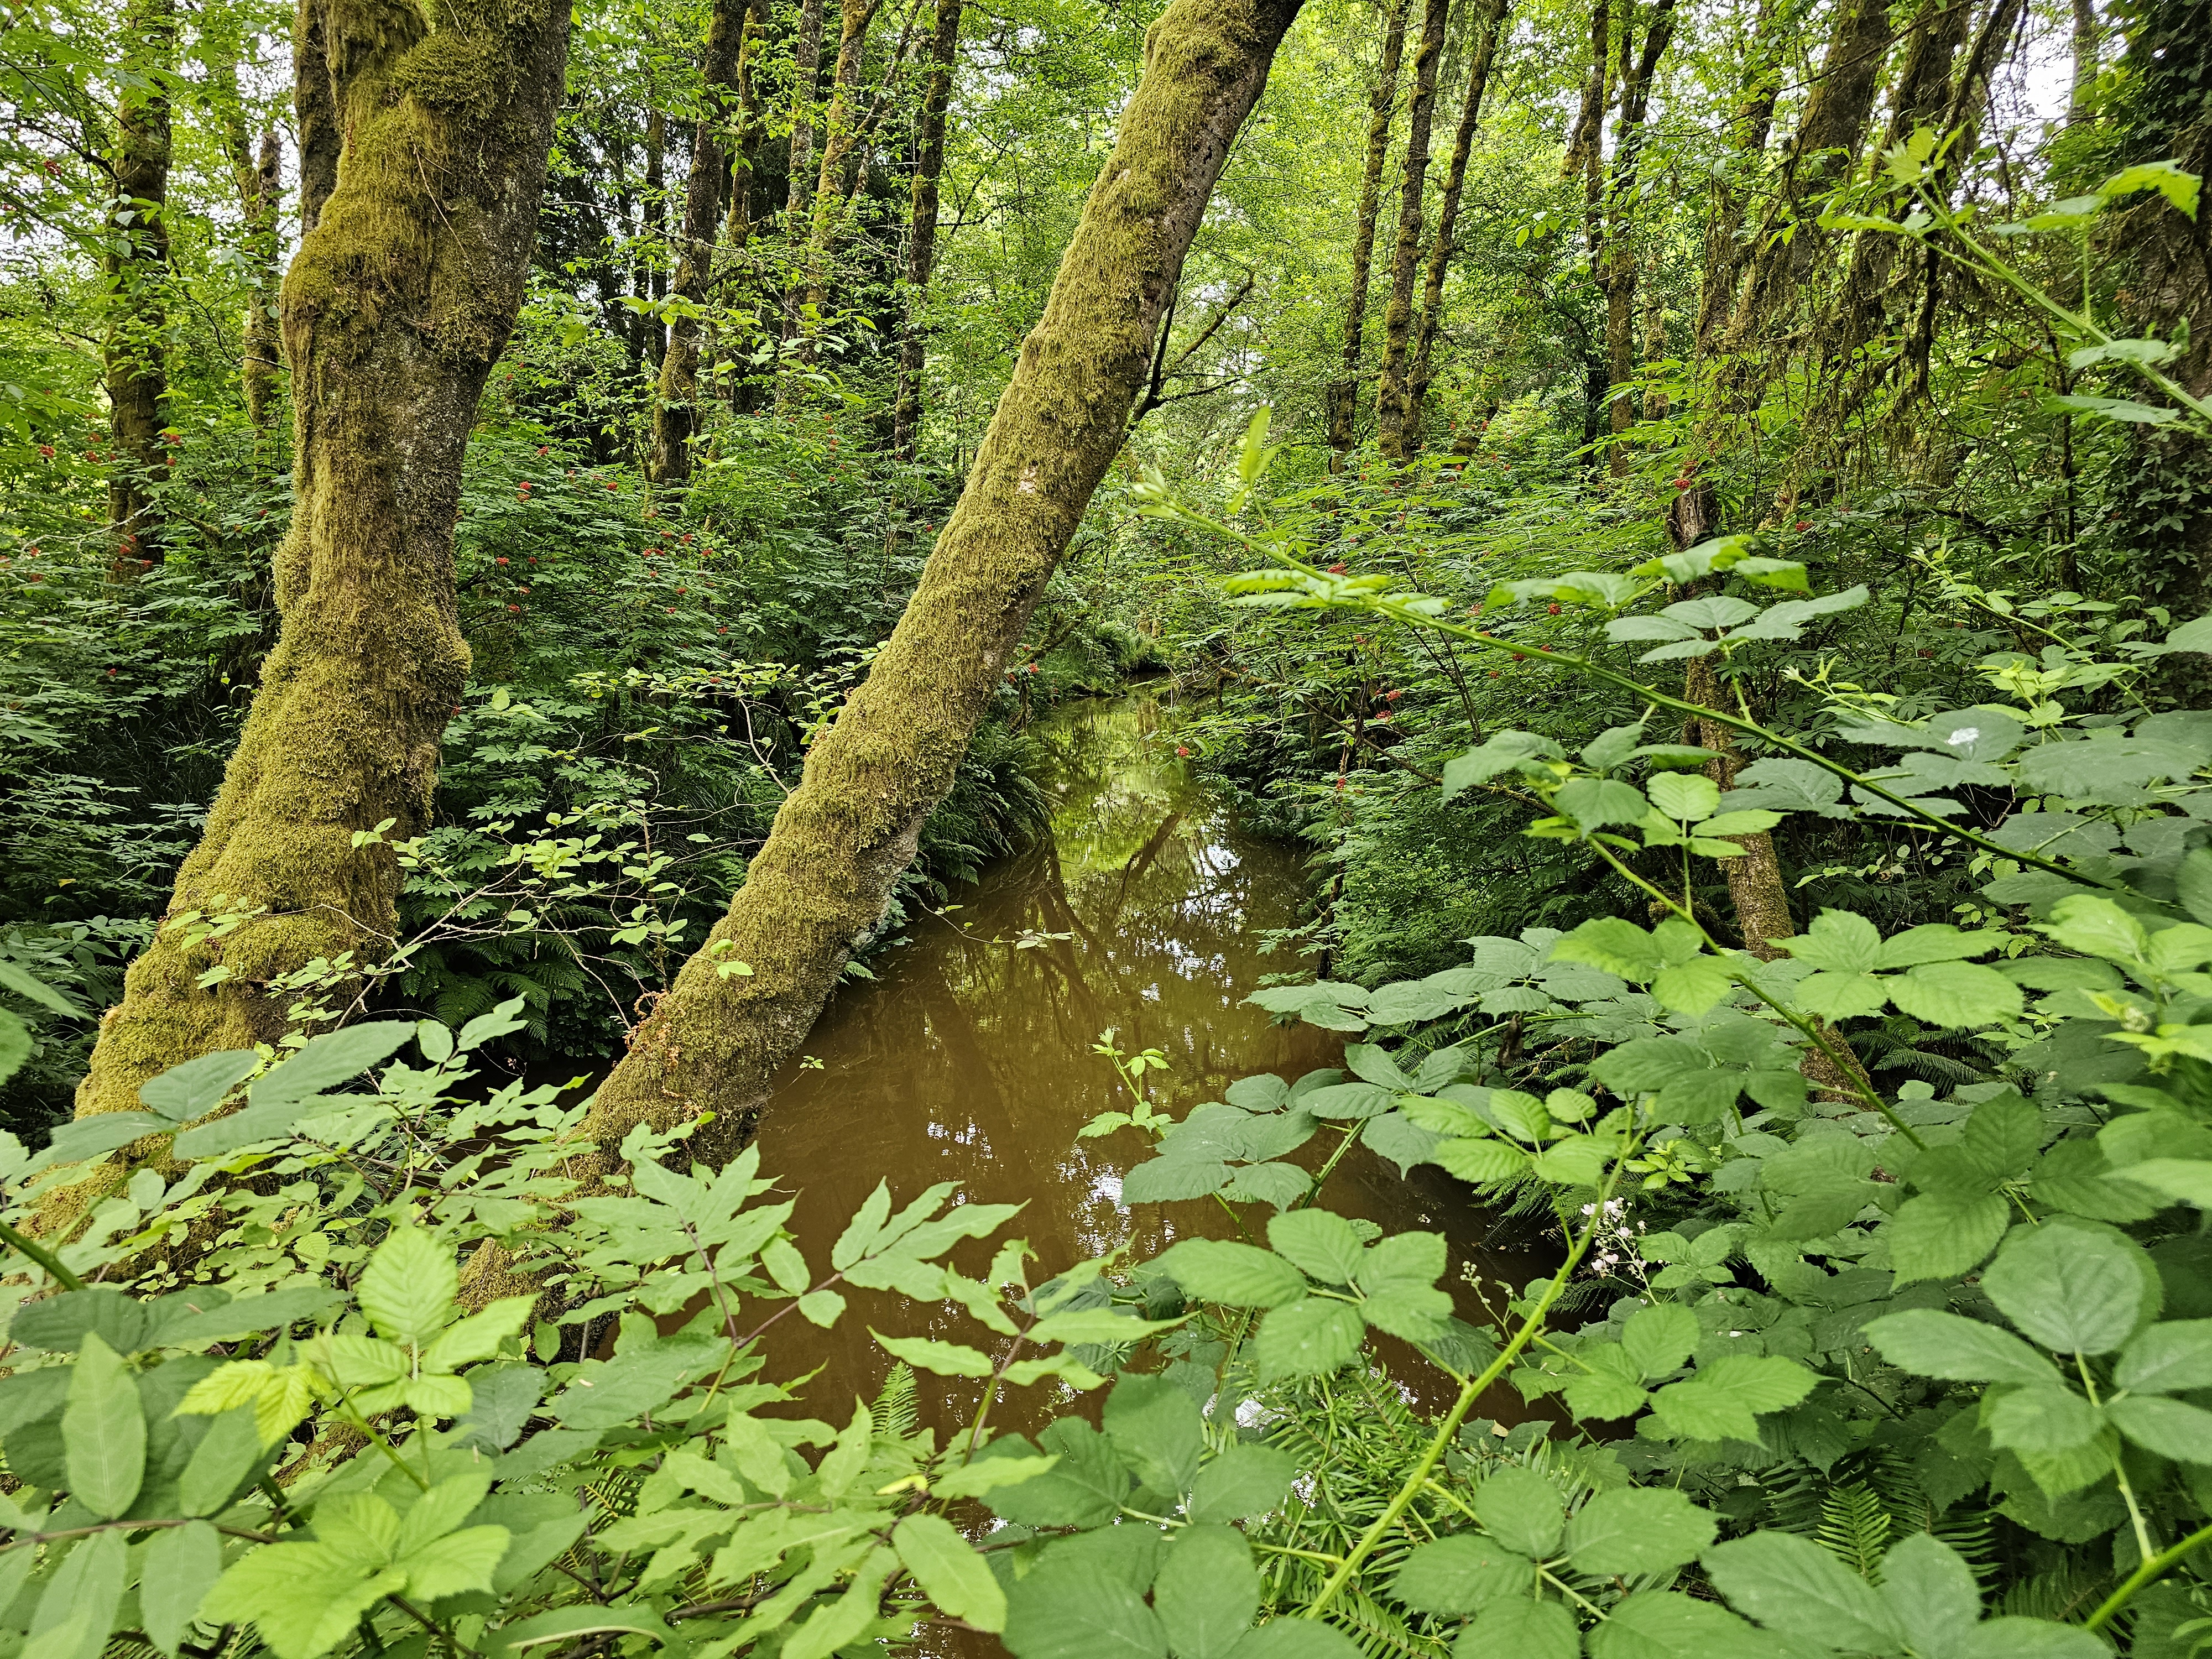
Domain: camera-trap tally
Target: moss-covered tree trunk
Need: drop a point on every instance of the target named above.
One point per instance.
(134, 354)
(805, 71)
(921, 228)
(675, 406)
(1619, 276)
(261, 187)
(1405, 255)
(736, 280)
(395, 307)
(840, 131)
(1382, 104)
(1490, 27)
(845, 836)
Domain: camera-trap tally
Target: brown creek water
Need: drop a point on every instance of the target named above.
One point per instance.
(970, 1057)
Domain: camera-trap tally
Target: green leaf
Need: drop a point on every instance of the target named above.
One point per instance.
(2071, 1288)
(1505, 751)
(103, 1430)
(181, 1565)
(2172, 1428)
(14, 1045)
(329, 1061)
(1692, 986)
(1291, 1637)
(1935, 1344)
(1593, 803)
(1206, 1592)
(2029, 1638)
(1522, 1511)
(1247, 1480)
(928, 1354)
(1155, 1426)
(1522, 1629)
(408, 1288)
(1322, 1244)
(1940, 1236)
(1721, 1401)
(1170, 1179)
(1955, 994)
(820, 1308)
(1636, 1530)
(563, 1625)
(77, 1610)
(1460, 1574)
(102, 1132)
(1931, 1593)
(1612, 1387)
(2188, 1180)
(1485, 1161)
(950, 1571)
(225, 1460)
(1835, 997)
(198, 1087)
(1308, 1339)
(2166, 1357)
(27, 986)
(2043, 1419)
(1239, 1276)
(1685, 795)
(1614, 946)
(1085, 1488)
(1078, 1608)
(1667, 1625)
(2177, 183)
(1792, 1585)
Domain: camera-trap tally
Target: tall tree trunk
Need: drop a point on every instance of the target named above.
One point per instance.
(739, 283)
(675, 411)
(1405, 257)
(1753, 120)
(922, 229)
(1382, 104)
(1620, 265)
(1490, 28)
(843, 838)
(1585, 159)
(2088, 37)
(260, 184)
(134, 355)
(806, 69)
(396, 306)
(841, 130)
(315, 118)
(652, 238)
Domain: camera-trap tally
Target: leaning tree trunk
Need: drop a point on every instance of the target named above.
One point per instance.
(842, 839)
(396, 306)
(133, 355)
(922, 230)
(1344, 393)
(674, 409)
(1405, 258)
(1490, 27)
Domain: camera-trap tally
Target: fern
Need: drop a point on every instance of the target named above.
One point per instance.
(1856, 1526)
(897, 1417)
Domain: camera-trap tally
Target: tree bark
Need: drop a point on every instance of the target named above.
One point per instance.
(134, 354)
(839, 131)
(1585, 159)
(806, 69)
(1490, 27)
(1382, 104)
(843, 839)
(921, 231)
(260, 186)
(396, 306)
(315, 118)
(738, 284)
(1390, 399)
(652, 282)
(1761, 84)
(675, 408)
(1620, 266)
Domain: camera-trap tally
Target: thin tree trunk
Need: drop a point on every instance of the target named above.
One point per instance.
(2088, 37)
(134, 354)
(652, 238)
(1405, 258)
(397, 305)
(1344, 393)
(260, 184)
(1620, 265)
(315, 118)
(840, 132)
(921, 231)
(1489, 29)
(1585, 159)
(675, 417)
(1753, 121)
(742, 280)
(843, 838)
(806, 69)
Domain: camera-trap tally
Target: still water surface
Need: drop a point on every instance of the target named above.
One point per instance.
(970, 1058)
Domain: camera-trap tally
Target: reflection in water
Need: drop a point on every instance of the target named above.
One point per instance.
(970, 1058)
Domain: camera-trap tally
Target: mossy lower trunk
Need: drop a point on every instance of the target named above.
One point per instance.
(1405, 257)
(395, 307)
(134, 352)
(843, 838)
(922, 229)
(1343, 395)
(675, 406)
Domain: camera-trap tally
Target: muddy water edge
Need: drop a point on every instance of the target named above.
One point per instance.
(970, 1058)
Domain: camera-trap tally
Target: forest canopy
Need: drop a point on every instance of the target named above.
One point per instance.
(542, 541)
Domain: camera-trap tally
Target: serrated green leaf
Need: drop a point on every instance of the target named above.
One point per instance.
(1249, 1479)
(1207, 1592)
(950, 1571)
(1239, 1276)
(1658, 1338)
(1308, 1339)
(1638, 1530)
(1317, 1242)
(1955, 996)
(1521, 1509)
(198, 1087)
(103, 1430)
(2166, 1357)
(1721, 1401)
(181, 1565)
(1931, 1343)
(1521, 1628)
(2172, 1428)
(408, 1289)
(2070, 1288)
(1460, 1574)
(1792, 1585)
(928, 1354)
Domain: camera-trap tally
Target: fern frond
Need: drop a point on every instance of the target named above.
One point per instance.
(1856, 1527)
